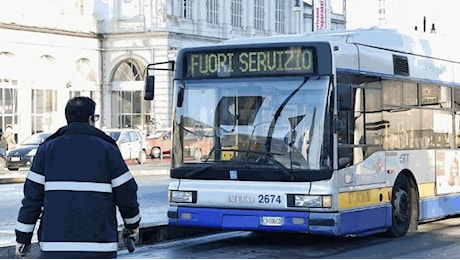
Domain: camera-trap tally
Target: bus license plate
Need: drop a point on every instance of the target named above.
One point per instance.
(272, 221)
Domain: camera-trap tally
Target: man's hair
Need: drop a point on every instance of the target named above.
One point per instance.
(79, 109)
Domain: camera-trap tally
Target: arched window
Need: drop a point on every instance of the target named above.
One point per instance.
(47, 57)
(45, 70)
(83, 81)
(128, 70)
(84, 71)
(8, 69)
(44, 95)
(129, 9)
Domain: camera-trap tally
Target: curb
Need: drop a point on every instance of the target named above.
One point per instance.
(19, 178)
(12, 179)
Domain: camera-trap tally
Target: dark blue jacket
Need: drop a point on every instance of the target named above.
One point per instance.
(78, 177)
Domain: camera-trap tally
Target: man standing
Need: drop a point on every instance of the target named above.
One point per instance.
(8, 136)
(77, 180)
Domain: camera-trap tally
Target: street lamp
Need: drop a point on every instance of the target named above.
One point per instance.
(433, 29)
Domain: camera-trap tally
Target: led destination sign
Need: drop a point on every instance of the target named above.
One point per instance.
(249, 63)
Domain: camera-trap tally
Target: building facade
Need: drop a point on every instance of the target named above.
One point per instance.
(52, 50)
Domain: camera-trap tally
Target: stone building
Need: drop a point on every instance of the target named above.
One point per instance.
(51, 50)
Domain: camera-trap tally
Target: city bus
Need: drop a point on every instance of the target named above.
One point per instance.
(344, 133)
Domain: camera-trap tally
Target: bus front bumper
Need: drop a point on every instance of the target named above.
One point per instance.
(362, 222)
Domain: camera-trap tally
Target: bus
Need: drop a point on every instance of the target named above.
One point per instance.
(344, 133)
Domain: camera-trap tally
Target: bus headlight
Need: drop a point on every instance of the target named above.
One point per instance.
(309, 201)
(182, 196)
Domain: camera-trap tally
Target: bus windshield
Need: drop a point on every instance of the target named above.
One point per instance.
(264, 121)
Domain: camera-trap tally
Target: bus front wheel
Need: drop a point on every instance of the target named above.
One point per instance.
(403, 205)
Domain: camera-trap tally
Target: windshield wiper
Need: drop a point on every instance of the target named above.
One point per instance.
(281, 167)
(252, 136)
(271, 129)
(197, 171)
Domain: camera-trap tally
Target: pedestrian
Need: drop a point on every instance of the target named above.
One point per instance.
(8, 136)
(76, 181)
(3, 143)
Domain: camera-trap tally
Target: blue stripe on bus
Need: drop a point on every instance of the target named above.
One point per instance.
(365, 221)
(357, 222)
(438, 207)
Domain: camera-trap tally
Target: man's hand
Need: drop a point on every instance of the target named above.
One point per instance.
(132, 232)
(129, 236)
(22, 249)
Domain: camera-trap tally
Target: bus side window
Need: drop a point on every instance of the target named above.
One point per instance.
(374, 125)
(344, 132)
(456, 106)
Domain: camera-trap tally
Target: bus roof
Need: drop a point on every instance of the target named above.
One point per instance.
(428, 45)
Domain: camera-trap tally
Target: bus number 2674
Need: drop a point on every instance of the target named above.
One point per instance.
(269, 198)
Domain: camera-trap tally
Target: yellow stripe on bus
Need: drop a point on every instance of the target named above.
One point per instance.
(426, 190)
(356, 199)
(374, 197)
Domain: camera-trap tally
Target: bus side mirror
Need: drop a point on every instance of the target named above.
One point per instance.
(149, 87)
(180, 97)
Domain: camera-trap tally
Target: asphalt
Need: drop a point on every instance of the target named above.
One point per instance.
(149, 233)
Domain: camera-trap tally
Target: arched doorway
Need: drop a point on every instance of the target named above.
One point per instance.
(129, 110)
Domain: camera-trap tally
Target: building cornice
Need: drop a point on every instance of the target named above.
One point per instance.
(148, 34)
(27, 28)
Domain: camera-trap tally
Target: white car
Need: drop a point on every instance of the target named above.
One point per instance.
(131, 143)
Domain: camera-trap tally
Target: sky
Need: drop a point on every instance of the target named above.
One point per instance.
(403, 14)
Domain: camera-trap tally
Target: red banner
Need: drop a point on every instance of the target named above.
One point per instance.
(321, 15)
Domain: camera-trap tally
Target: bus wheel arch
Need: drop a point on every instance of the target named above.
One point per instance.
(404, 205)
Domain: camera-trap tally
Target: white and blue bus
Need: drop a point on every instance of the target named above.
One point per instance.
(344, 133)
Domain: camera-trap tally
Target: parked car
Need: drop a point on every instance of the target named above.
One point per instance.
(23, 154)
(159, 143)
(131, 143)
(198, 145)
